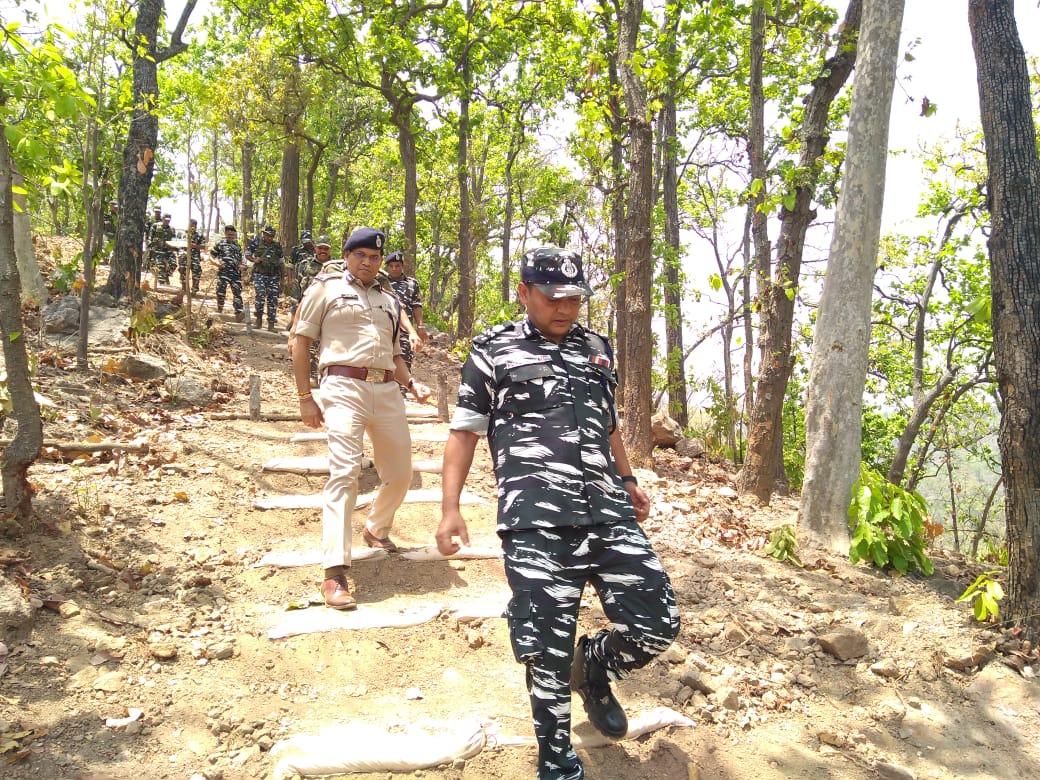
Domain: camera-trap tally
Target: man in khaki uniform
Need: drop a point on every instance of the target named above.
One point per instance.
(359, 359)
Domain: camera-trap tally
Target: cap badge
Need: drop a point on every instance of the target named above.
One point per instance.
(379, 242)
(568, 269)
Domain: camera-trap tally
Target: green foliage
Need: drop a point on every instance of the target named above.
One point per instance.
(144, 321)
(888, 524)
(985, 593)
(783, 543)
(994, 551)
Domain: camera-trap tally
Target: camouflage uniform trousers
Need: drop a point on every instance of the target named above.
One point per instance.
(196, 271)
(267, 287)
(547, 569)
(229, 278)
(406, 349)
(163, 263)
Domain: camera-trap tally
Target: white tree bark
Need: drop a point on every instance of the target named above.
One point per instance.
(34, 288)
(839, 362)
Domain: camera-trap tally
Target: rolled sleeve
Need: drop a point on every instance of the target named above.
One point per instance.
(467, 420)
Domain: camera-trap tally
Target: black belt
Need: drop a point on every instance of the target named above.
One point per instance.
(364, 374)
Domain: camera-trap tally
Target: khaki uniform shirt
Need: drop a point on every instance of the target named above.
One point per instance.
(353, 324)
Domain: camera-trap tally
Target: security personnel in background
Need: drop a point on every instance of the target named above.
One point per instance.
(227, 253)
(406, 289)
(268, 261)
(359, 357)
(542, 391)
(198, 243)
(305, 267)
(322, 262)
(163, 260)
(153, 223)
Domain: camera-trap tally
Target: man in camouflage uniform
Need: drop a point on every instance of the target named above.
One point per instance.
(228, 254)
(542, 391)
(304, 264)
(198, 243)
(163, 260)
(268, 261)
(406, 289)
(322, 262)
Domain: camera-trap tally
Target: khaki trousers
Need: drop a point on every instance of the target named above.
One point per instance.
(353, 408)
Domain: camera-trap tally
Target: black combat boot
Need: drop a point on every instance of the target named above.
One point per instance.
(590, 681)
(259, 321)
(270, 326)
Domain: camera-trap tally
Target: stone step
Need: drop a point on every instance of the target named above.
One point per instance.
(314, 501)
(319, 464)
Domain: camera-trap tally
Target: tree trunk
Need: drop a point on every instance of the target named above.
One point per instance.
(638, 255)
(248, 208)
(467, 266)
(22, 452)
(833, 416)
(673, 318)
(124, 277)
(764, 462)
(34, 288)
(1014, 256)
(289, 210)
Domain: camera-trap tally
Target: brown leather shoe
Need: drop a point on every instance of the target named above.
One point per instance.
(336, 593)
(374, 541)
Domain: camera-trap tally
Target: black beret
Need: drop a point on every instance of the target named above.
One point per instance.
(231, 228)
(395, 257)
(365, 238)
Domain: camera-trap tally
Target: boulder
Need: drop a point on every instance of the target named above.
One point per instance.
(62, 316)
(16, 614)
(845, 643)
(189, 390)
(143, 367)
(666, 431)
(690, 448)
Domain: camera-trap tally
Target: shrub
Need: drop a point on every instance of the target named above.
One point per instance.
(888, 524)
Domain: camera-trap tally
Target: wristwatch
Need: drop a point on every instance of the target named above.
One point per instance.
(631, 479)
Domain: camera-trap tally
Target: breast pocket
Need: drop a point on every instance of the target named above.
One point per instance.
(348, 309)
(530, 388)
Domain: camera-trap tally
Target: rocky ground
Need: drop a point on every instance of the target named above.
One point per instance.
(143, 650)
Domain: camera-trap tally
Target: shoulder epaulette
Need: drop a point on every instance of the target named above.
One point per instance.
(492, 333)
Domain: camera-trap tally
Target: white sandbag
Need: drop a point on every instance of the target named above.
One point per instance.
(321, 618)
(287, 559)
(586, 736)
(431, 553)
(362, 747)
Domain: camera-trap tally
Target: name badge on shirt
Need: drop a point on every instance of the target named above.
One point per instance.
(525, 359)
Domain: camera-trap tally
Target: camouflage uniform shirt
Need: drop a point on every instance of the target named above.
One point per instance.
(159, 235)
(548, 411)
(268, 258)
(407, 291)
(229, 253)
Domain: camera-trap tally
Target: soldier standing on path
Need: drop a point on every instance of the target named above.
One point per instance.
(542, 391)
(162, 253)
(228, 255)
(304, 264)
(268, 263)
(359, 357)
(197, 245)
(406, 289)
(305, 274)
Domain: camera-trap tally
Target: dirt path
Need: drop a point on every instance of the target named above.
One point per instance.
(152, 602)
